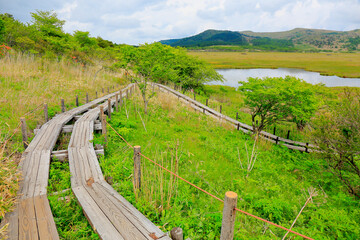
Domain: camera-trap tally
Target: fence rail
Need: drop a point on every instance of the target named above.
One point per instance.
(295, 145)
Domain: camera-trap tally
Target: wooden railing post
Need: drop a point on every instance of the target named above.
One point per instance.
(121, 99)
(116, 102)
(220, 108)
(137, 168)
(306, 148)
(177, 233)
(194, 95)
(103, 124)
(238, 126)
(207, 102)
(277, 140)
(96, 95)
(228, 221)
(46, 113)
(87, 97)
(77, 101)
(62, 105)
(288, 135)
(274, 130)
(24, 134)
(102, 90)
(237, 116)
(109, 108)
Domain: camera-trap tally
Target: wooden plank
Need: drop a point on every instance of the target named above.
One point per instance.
(86, 166)
(43, 174)
(27, 220)
(115, 216)
(30, 177)
(45, 220)
(12, 219)
(96, 217)
(146, 223)
(73, 169)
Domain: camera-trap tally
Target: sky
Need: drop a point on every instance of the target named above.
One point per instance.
(139, 21)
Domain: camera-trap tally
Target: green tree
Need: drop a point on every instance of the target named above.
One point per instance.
(2, 30)
(47, 23)
(275, 99)
(336, 132)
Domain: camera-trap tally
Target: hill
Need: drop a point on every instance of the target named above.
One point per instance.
(298, 39)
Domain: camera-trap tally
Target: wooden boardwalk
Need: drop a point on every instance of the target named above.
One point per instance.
(32, 217)
(111, 216)
(295, 145)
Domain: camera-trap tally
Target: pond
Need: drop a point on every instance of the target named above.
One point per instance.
(232, 76)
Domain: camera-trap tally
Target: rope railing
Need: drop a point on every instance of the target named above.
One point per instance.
(206, 192)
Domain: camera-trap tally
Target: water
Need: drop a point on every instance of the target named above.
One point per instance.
(232, 76)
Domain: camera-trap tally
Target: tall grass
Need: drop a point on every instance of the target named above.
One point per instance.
(339, 64)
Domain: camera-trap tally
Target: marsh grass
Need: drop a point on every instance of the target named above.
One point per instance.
(339, 64)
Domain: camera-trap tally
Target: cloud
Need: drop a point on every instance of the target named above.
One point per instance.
(139, 21)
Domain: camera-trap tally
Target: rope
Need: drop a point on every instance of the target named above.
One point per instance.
(217, 198)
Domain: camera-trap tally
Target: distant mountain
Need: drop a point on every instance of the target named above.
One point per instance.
(298, 39)
(209, 38)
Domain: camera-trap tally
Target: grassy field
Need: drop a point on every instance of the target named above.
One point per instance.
(339, 64)
(216, 158)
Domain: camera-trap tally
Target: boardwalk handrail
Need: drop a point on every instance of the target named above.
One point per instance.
(295, 145)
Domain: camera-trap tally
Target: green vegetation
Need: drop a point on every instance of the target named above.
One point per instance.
(215, 158)
(336, 132)
(339, 64)
(278, 99)
(160, 63)
(69, 218)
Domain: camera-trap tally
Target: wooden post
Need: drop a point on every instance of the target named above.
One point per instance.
(46, 114)
(96, 95)
(274, 130)
(103, 124)
(137, 168)
(220, 108)
(77, 100)
(288, 135)
(102, 90)
(194, 95)
(62, 105)
(277, 140)
(306, 147)
(24, 134)
(121, 98)
(87, 97)
(228, 221)
(207, 102)
(237, 116)
(238, 126)
(109, 108)
(177, 233)
(116, 102)
(127, 93)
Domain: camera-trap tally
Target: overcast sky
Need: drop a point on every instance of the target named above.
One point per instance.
(140, 21)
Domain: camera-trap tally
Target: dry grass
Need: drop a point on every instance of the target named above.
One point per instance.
(26, 83)
(340, 64)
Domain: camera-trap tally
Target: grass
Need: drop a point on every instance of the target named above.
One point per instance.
(26, 83)
(209, 155)
(339, 64)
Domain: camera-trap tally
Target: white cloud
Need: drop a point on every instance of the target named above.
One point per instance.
(139, 21)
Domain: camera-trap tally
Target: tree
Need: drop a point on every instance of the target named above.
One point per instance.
(337, 134)
(275, 99)
(47, 23)
(161, 63)
(2, 30)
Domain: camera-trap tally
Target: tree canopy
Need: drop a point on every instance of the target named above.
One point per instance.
(273, 99)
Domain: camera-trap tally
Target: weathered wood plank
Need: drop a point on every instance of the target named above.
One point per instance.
(27, 220)
(96, 217)
(45, 220)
